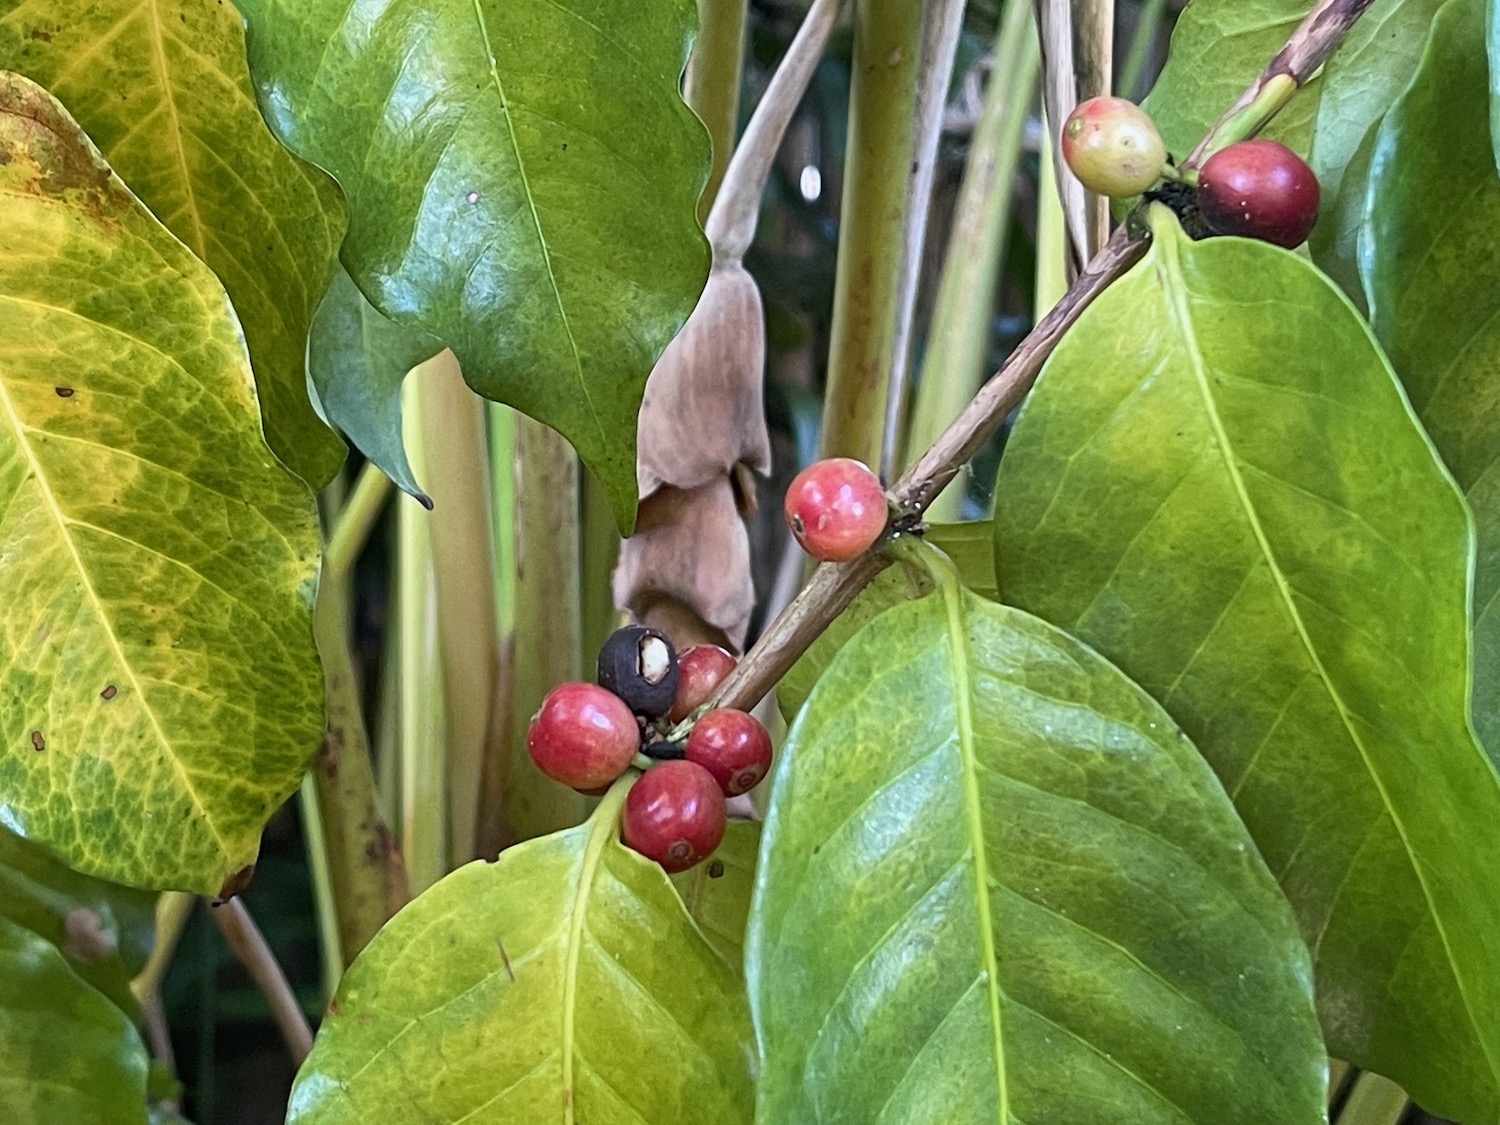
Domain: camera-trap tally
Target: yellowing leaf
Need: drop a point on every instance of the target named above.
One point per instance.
(159, 688)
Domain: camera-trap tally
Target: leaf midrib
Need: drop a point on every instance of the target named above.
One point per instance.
(602, 828)
(44, 488)
(1174, 288)
(159, 55)
(964, 720)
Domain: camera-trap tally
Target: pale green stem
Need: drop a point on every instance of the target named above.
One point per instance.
(547, 621)
(1148, 24)
(462, 544)
(364, 864)
(712, 84)
(324, 908)
(492, 831)
(958, 341)
(877, 181)
(356, 518)
(601, 549)
(173, 909)
(424, 791)
(1373, 1101)
(1051, 238)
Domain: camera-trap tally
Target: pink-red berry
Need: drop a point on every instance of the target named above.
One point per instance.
(1259, 189)
(582, 736)
(732, 746)
(699, 671)
(1112, 146)
(836, 509)
(674, 814)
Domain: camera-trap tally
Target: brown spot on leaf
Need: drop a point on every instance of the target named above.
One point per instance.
(38, 743)
(85, 939)
(109, 692)
(64, 392)
(716, 870)
(235, 884)
(38, 33)
(333, 1007)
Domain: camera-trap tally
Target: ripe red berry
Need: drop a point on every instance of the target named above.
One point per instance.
(1112, 146)
(732, 746)
(674, 814)
(699, 670)
(1259, 189)
(582, 736)
(836, 509)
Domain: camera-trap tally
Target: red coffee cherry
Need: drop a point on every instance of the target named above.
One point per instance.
(674, 814)
(1259, 189)
(582, 736)
(836, 509)
(732, 746)
(1112, 146)
(699, 671)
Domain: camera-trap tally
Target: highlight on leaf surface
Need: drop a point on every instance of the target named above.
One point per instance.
(536, 989)
(522, 179)
(164, 90)
(160, 693)
(997, 883)
(1218, 484)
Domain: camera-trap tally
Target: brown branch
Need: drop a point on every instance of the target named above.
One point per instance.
(833, 586)
(248, 944)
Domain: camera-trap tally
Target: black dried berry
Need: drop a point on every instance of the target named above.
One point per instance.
(640, 666)
(664, 751)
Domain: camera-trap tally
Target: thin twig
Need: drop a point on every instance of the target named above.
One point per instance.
(834, 585)
(357, 518)
(249, 946)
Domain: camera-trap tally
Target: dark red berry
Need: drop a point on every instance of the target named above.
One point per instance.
(1112, 146)
(674, 814)
(836, 509)
(699, 671)
(732, 746)
(1259, 189)
(582, 736)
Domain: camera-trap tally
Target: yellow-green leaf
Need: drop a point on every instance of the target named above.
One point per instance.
(717, 891)
(997, 884)
(159, 688)
(522, 179)
(1218, 484)
(562, 984)
(164, 90)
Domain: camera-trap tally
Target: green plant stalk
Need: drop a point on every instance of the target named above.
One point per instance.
(330, 955)
(1373, 1101)
(173, 910)
(712, 84)
(492, 832)
(958, 339)
(424, 787)
(1148, 23)
(356, 519)
(456, 470)
(601, 549)
(365, 866)
(547, 624)
(1051, 237)
(877, 181)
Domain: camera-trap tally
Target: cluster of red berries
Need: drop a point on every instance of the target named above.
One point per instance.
(587, 735)
(1256, 189)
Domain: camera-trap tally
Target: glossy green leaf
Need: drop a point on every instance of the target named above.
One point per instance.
(105, 931)
(564, 983)
(1372, 67)
(1217, 49)
(69, 1054)
(164, 91)
(159, 689)
(1492, 42)
(1433, 276)
(522, 178)
(971, 547)
(998, 884)
(717, 891)
(1218, 484)
(358, 359)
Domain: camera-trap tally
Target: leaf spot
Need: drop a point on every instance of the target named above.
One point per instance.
(86, 940)
(37, 741)
(472, 197)
(716, 870)
(109, 692)
(64, 392)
